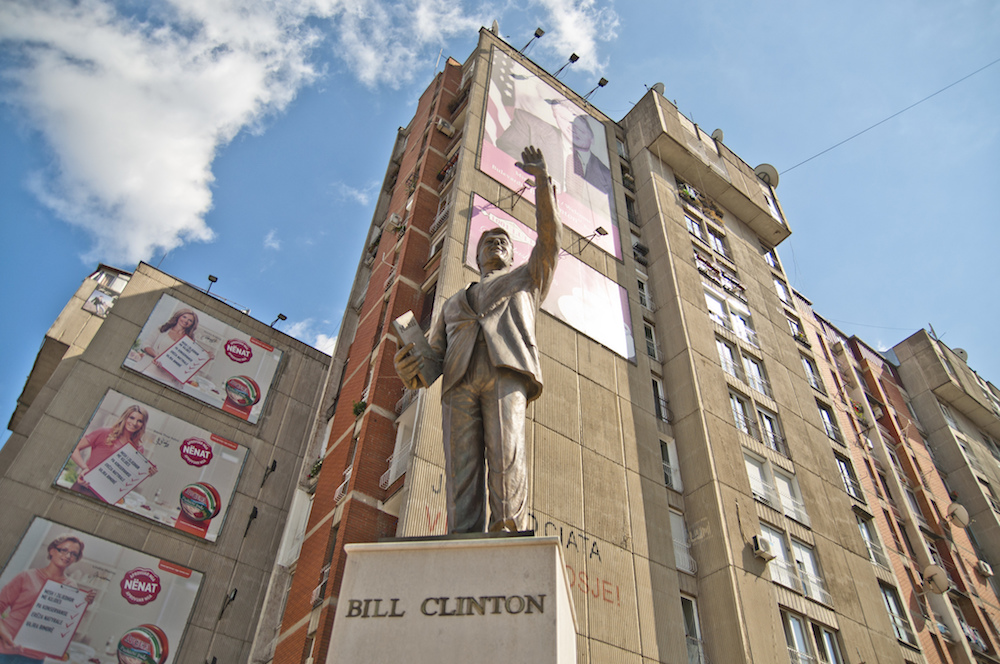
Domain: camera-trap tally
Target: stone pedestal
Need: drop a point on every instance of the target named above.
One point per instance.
(496, 600)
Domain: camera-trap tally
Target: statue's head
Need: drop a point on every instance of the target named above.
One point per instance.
(494, 251)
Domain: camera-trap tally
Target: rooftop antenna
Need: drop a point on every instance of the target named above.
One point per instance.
(538, 33)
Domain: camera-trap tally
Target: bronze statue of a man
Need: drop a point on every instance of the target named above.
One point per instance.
(484, 341)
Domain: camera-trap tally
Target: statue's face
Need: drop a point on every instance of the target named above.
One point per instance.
(495, 251)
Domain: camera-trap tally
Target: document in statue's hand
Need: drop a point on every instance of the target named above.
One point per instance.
(409, 332)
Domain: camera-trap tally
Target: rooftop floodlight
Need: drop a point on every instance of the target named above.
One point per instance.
(211, 280)
(538, 33)
(600, 84)
(280, 317)
(573, 57)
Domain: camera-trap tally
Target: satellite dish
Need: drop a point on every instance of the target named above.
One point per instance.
(936, 579)
(958, 514)
(495, 28)
(717, 135)
(962, 354)
(658, 88)
(767, 173)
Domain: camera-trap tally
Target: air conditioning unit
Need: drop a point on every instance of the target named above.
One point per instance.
(838, 348)
(762, 549)
(445, 127)
(984, 568)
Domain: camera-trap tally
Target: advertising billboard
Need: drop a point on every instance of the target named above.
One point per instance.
(580, 296)
(203, 357)
(156, 466)
(522, 110)
(68, 596)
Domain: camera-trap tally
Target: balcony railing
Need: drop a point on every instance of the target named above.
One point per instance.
(748, 335)
(761, 385)
(877, 555)
(902, 629)
(764, 492)
(795, 509)
(696, 651)
(746, 425)
(683, 559)
(732, 368)
(814, 587)
(853, 488)
(785, 574)
(341, 491)
(833, 432)
(816, 382)
(662, 410)
(775, 441)
(796, 656)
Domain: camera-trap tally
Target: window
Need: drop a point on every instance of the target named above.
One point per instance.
(948, 416)
(769, 257)
(692, 630)
(743, 415)
(731, 314)
(827, 645)
(851, 484)
(694, 226)
(875, 551)
(671, 471)
(622, 150)
(729, 357)
(650, 332)
(756, 376)
(771, 431)
(782, 570)
(645, 296)
(760, 486)
(796, 636)
(812, 581)
(682, 547)
(900, 623)
(791, 498)
(631, 211)
(797, 332)
(717, 241)
(782, 289)
(829, 423)
(660, 401)
(812, 374)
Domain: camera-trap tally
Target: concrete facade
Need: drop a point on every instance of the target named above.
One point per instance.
(80, 360)
(666, 475)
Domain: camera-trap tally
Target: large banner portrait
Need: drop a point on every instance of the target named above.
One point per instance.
(66, 596)
(203, 357)
(580, 296)
(156, 466)
(522, 110)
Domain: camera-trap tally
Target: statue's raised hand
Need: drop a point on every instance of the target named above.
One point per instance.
(533, 163)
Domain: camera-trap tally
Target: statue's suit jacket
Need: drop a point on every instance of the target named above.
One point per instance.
(510, 302)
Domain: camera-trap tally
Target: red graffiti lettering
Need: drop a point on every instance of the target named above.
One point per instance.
(432, 525)
(598, 588)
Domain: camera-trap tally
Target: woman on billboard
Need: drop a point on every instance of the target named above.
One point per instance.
(18, 597)
(95, 448)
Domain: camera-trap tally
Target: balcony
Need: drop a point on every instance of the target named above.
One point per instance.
(775, 441)
(341, 491)
(785, 574)
(748, 335)
(746, 425)
(733, 369)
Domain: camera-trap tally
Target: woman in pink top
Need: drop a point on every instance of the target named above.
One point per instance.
(18, 596)
(98, 445)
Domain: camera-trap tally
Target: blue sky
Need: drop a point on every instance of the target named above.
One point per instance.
(246, 140)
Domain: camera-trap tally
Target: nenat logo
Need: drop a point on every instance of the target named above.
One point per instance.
(238, 351)
(140, 586)
(196, 452)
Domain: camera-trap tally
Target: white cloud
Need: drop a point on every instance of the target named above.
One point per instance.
(135, 109)
(362, 196)
(305, 331)
(271, 241)
(576, 26)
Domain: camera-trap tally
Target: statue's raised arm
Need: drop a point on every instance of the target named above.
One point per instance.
(545, 254)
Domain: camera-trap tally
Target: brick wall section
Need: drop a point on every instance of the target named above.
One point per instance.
(359, 521)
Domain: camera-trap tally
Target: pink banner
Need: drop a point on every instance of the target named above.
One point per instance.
(580, 296)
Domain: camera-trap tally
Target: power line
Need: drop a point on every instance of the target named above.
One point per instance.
(891, 116)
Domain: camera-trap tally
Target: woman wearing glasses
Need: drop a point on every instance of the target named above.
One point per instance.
(18, 597)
